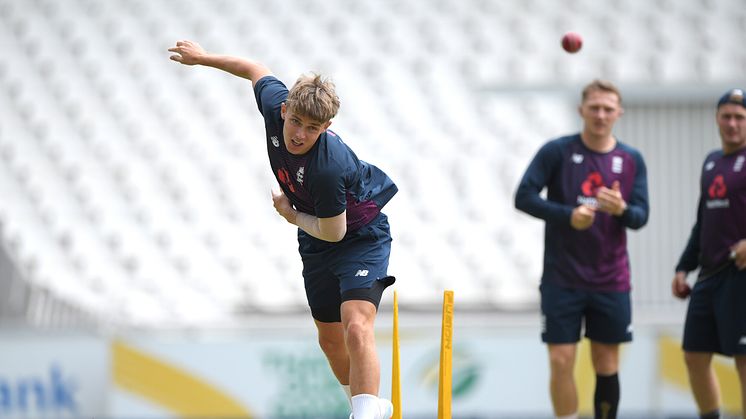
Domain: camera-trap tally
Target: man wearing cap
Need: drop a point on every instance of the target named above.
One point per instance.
(716, 316)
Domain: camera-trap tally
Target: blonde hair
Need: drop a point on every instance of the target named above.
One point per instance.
(313, 96)
(603, 86)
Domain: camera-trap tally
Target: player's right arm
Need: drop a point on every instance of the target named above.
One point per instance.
(582, 217)
(679, 286)
(537, 176)
(330, 229)
(191, 53)
(688, 261)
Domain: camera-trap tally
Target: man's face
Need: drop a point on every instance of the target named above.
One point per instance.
(731, 119)
(600, 110)
(300, 132)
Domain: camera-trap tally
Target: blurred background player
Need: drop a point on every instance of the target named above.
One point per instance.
(335, 200)
(596, 189)
(716, 317)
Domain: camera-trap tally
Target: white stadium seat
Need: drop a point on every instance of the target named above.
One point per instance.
(138, 189)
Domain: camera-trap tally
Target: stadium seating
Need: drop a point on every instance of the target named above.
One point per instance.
(138, 189)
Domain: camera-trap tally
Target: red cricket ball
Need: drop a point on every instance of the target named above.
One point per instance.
(571, 42)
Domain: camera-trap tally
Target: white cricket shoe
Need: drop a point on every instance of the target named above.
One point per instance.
(385, 410)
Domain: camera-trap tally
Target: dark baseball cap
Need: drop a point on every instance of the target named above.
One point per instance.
(735, 96)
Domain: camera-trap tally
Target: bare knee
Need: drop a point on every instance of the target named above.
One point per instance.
(562, 361)
(697, 361)
(331, 338)
(740, 361)
(741, 368)
(332, 345)
(605, 358)
(357, 336)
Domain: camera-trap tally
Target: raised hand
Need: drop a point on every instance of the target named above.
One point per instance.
(187, 52)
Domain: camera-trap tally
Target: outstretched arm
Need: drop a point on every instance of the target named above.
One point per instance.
(191, 53)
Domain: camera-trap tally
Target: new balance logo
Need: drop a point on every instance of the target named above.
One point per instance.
(742, 341)
(362, 272)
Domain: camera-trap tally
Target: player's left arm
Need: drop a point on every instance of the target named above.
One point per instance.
(637, 209)
(330, 229)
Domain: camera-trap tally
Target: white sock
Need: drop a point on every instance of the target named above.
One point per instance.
(571, 416)
(365, 406)
(348, 392)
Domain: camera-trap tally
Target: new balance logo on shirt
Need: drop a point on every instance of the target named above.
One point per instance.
(742, 341)
(361, 272)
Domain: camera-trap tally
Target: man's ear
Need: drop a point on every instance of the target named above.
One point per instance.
(283, 110)
(326, 125)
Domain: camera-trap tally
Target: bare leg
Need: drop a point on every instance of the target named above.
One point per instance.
(605, 358)
(562, 381)
(703, 381)
(332, 342)
(741, 367)
(358, 318)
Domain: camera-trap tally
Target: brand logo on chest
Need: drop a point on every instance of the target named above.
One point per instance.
(299, 174)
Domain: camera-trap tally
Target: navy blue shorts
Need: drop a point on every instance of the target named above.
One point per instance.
(352, 269)
(716, 317)
(607, 315)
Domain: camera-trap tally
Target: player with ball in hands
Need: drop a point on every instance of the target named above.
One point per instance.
(596, 190)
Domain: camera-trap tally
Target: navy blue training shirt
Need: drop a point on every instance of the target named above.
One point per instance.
(593, 259)
(329, 178)
(721, 215)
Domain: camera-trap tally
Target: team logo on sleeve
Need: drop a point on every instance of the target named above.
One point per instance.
(577, 158)
(275, 141)
(717, 192)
